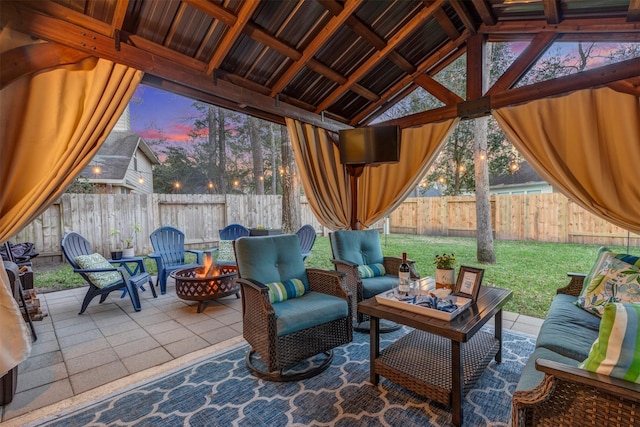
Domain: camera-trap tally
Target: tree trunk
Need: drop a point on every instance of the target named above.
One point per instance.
(274, 162)
(485, 251)
(291, 221)
(222, 153)
(256, 151)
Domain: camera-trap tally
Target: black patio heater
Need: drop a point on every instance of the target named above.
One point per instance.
(368, 146)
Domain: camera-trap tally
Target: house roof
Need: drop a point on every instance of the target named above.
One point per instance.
(524, 175)
(114, 156)
(330, 63)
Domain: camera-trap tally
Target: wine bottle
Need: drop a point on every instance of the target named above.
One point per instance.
(404, 279)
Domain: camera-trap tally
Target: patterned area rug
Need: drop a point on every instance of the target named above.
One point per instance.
(220, 391)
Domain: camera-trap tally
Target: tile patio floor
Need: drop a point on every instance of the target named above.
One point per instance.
(111, 345)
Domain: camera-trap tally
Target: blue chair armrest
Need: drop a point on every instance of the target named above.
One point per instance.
(200, 253)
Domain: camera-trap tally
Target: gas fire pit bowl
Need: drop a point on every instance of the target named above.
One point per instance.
(190, 286)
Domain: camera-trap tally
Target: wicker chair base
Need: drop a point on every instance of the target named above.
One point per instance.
(385, 326)
(280, 376)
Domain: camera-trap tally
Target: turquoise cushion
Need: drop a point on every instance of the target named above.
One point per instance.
(288, 289)
(99, 280)
(531, 377)
(372, 270)
(269, 259)
(616, 352)
(375, 285)
(360, 247)
(311, 309)
(568, 330)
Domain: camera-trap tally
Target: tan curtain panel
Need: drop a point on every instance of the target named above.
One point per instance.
(380, 189)
(587, 145)
(324, 179)
(52, 124)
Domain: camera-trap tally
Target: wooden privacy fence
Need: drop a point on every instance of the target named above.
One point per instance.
(538, 217)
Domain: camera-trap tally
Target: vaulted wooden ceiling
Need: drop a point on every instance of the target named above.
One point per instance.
(327, 62)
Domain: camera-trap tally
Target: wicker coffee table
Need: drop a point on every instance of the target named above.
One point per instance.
(440, 360)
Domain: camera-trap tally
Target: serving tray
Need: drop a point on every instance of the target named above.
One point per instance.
(387, 298)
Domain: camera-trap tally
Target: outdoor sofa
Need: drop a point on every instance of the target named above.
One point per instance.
(553, 390)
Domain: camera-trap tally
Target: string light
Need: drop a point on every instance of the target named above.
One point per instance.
(441, 180)
(140, 180)
(513, 164)
(461, 168)
(177, 185)
(210, 185)
(236, 183)
(97, 170)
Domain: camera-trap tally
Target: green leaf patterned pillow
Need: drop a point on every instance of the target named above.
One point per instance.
(616, 351)
(288, 289)
(99, 280)
(616, 281)
(225, 251)
(371, 270)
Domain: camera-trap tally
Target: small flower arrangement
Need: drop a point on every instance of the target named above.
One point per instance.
(445, 261)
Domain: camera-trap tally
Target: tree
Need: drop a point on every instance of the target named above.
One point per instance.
(290, 186)
(256, 151)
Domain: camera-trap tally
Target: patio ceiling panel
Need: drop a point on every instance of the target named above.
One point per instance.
(189, 28)
(309, 86)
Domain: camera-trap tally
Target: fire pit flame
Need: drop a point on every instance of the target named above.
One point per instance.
(209, 268)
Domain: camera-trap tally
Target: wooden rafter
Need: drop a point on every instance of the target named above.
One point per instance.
(364, 31)
(551, 11)
(248, 7)
(118, 16)
(446, 24)
(102, 46)
(484, 10)
(54, 9)
(465, 16)
(438, 90)
(633, 15)
(610, 26)
(433, 61)
(476, 66)
(523, 62)
(399, 36)
(316, 44)
(174, 24)
(627, 73)
(25, 60)
(630, 86)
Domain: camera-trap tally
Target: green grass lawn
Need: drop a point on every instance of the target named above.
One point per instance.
(532, 270)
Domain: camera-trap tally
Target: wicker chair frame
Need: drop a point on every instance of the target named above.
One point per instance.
(570, 396)
(281, 352)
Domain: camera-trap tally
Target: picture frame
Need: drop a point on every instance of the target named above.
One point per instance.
(469, 282)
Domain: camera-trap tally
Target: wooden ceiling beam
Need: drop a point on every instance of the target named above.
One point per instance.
(626, 72)
(438, 90)
(25, 60)
(551, 11)
(567, 26)
(523, 62)
(68, 34)
(633, 15)
(316, 44)
(432, 61)
(485, 12)
(630, 86)
(446, 24)
(395, 40)
(364, 31)
(209, 98)
(69, 15)
(214, 10)
(175, 22)
(464, 15)
(165, 52)
(232, 34)
(591, 78)
(119, 14)
(571, 37)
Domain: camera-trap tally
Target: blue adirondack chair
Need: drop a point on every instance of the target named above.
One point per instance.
(307, 236)
(169, 253)
(233, 231)
(73, 246)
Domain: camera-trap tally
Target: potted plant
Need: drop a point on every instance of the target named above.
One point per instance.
(116, 245)
(126, 249)
(445, 273)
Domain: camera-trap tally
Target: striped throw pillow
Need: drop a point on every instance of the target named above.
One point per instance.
(371, 270)
(288, 289)
(616, 351)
